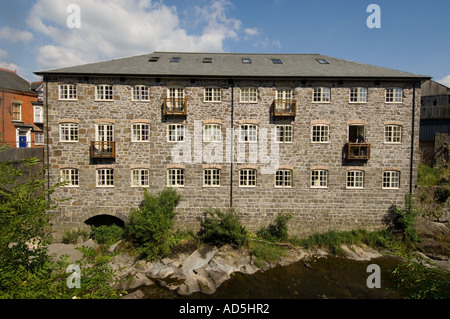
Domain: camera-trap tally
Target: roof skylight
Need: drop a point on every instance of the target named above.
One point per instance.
(207, 60)
(246, 61)
(175, 59)
(277, 61)
(322, 61)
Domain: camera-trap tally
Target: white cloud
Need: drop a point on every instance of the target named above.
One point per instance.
(3, 54)
(251, 31)
(9, 66)
(445, 81)
(15, 35)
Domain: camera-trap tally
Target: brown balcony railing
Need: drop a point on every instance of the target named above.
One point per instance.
(285, 108)
(358, 151)
(173, 106)
(103, 149)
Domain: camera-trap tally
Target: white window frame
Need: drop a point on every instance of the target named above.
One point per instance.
(38, 114)
(248, 133)
(358, 95)
(247, 177)
(319, 178)
(38, 140)
(212, 94)
(249, 95)
(393, 134)
(179, 133)
(393, 95)
(391, 179)
(355, 179)
(68, 132)
(140, 177)
(104, 177)
(321, 94)
(320, 133)
(70, 176)
(140, 93)
(178, 179)
(15, 107)
(140, 132)
(104, 92)
(104, 132)
(283, 178)
(211, 177)
(284, 133)
(212, 132)
(67, 92)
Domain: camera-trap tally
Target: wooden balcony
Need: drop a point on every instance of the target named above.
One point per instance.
(358, 151)
(174, 106)
(103, 149)
(285, 108)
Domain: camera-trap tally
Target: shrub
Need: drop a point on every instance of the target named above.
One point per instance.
(222, 228)
(71, 236)
(278, 230)
(266, 252)
(405, 221)
(441, 195)
(107, 234)
(428, 176)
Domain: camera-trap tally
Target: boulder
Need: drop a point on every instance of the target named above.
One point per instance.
(198, 259)
(138, 294)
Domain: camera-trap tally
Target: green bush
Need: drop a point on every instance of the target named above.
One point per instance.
(405, 221)
(428, 176)
(278, 230)
(441, 195)
(107, 234)
(71, 236)
(266, 252)
(222, 228)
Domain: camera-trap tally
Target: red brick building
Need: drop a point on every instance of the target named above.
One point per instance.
(21, 114)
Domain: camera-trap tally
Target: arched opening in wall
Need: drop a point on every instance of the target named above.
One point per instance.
(107, 220)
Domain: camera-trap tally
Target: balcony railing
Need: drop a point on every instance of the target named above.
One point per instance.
(173, 106)
(285, 108)
(358, 151)
(103, 149)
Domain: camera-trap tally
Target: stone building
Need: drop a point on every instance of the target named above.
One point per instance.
(261, 133)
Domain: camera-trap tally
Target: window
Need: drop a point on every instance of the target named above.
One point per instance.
(320, 134)
(248, 133)
(105, 177)
(322, 61)
(140, 178)
(175, 133)
(140, 132)
(38, 138)
(394, 95)
(207, 60)
(284, 94)
(319, 178)
(321, 94)
(175, 59)
(212, 95)
(104, 92)
(249, 95)
(175, 177)
(211, 177)
(153, 59)
(70, 177)
(67, 92)
(246, 61)
(175, 102)
(38, 114)
(68, 132)
(104, 133)
(393, 134)
(283, 178)
(212, 133)
(358, 95)
(247, 177)
(17, 112)
(355, 179)
(141, 93)
(277, 61)
(284, 133)
(391, 179)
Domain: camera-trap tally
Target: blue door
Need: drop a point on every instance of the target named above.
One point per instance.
(22, 141)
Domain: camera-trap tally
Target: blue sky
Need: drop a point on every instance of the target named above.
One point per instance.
(34, 34)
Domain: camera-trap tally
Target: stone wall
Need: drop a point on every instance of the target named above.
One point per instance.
(334, 207)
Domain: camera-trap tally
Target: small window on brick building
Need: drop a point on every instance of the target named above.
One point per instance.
(104, 92)
(284, 134)
(248, 133)
(391, 179)
(140, 178)
(140, 132)
(212, 133)
(247, 177)
(211, 177)
(355, 179)
(68, 132)
(320, 133)
(393, 134)
(105, 177)
(394, 95)
(319, 178)
(67, 92)
(141, 93)
(321, 94)
(175, 132)
(175, 177)
(283, 178)
(69, 176)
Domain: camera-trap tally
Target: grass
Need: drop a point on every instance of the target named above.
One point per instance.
(431, 176)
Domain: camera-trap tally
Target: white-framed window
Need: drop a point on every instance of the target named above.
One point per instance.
(175, 133)
(211, 177)
(67, 92)
(319, 178)
(249, 95)
(284, 134)
(283, 178)
(104, 92)
(17, 112)
(321, 94)
(248, 133)
(140, 177)
(285, 94)
(247, 177)
(68, 132)
(38, 114)
(212, 133)
(70, 177)
(320, 133)
(393, 134)
(175, 177)
(394, 95)
(355, 179)
(38, 138)
(141, 93)
(358, 95)
(140, 132)
(391, 179)
(104, 132)
(212, 94)
(105, 177)
(175, 93)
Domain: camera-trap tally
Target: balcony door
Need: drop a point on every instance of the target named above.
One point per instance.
(104, 137)
(354, 131)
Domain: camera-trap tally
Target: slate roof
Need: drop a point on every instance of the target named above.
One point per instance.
(159, 64)
(12, 81)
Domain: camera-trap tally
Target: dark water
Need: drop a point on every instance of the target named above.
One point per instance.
(327, 278)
